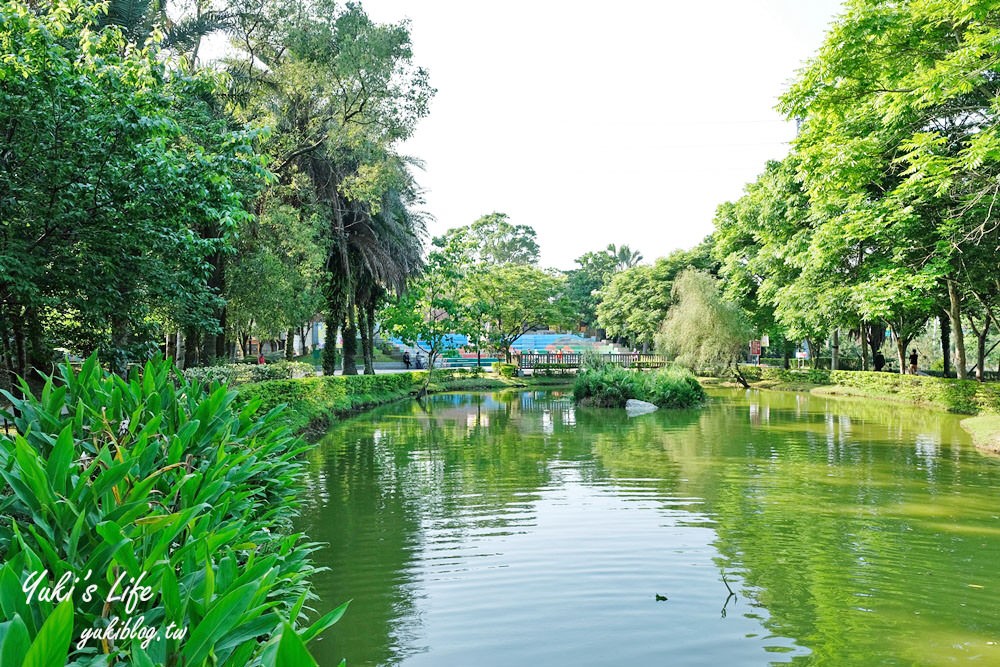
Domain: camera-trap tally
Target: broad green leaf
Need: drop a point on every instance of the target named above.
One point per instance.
(14, 641)
(218, 620)
(325, 622)
(292, 651)
(51, 645)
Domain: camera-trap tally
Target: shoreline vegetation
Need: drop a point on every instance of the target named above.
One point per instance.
(314, 402)
(157, 479)
(964, 397)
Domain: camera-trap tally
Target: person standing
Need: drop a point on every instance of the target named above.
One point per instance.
(406, 359)
(913, 362)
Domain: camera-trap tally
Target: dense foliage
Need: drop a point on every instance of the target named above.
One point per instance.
(236, 374)
(883, 215)
(147, 201)
(118, 183)
(612, 386)
(151, 475)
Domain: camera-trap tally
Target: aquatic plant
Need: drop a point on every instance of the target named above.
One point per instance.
(159, 502)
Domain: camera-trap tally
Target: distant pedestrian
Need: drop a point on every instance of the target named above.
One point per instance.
(406, 360)
(420, 361)
(913, 362)
(261, 360)
(879, 361)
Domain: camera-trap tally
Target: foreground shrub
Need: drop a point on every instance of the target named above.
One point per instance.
(611, 386)
(236, 374)
(505, 370)
(151, 479)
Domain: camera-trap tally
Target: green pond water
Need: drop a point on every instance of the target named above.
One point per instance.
(517, 529)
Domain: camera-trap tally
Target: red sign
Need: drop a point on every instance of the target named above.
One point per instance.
(755, 347)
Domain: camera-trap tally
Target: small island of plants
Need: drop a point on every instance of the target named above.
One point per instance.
(611, 386)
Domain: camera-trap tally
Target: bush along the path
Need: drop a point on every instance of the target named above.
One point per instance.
(235, 374)
(612, 386)
(165, 511)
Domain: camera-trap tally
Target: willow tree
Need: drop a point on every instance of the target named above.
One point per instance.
(703, 331)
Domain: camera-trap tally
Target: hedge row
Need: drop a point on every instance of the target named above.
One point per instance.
(960, 396)
(236, 374)
(317, 399)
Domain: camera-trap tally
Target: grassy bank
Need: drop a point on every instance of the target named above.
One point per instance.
(985, 432)
(966, 397)
(314, 402)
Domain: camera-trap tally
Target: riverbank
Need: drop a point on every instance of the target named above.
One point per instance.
(315, 402)
(964, 397)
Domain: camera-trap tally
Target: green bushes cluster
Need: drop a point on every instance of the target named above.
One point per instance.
(236, 374)
(156, 479)
(611, 386)
(505, 370)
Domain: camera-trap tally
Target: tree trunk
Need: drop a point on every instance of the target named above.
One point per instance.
(864, 348)
(330, 360)
(955, 313)
(901, 352)
(6, 357)
(190, 347)
(835, 351)
(207, 348)
(945, 342)
(221, 349)
(366, 341)
(350, 342)
(290, 345)
(813, 357)
(336, 303)
(36, 354)
(786, 354)
(981, 336)
(370, 330)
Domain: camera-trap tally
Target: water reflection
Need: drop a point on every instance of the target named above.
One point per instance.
(516, 528)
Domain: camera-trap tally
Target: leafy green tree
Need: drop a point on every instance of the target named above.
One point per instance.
(428, 311)
(899, 151)
(584, 284)
(703, 330)
(118, 183)
(517, 299)
(492, 241)
(635, 302)
(342, 92)
(624, 257)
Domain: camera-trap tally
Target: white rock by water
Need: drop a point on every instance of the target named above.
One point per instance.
(634, 407)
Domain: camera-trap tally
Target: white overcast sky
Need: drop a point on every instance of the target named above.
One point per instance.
(600, 123)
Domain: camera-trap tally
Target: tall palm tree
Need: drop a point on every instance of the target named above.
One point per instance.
(625, 257)
(385, 248)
